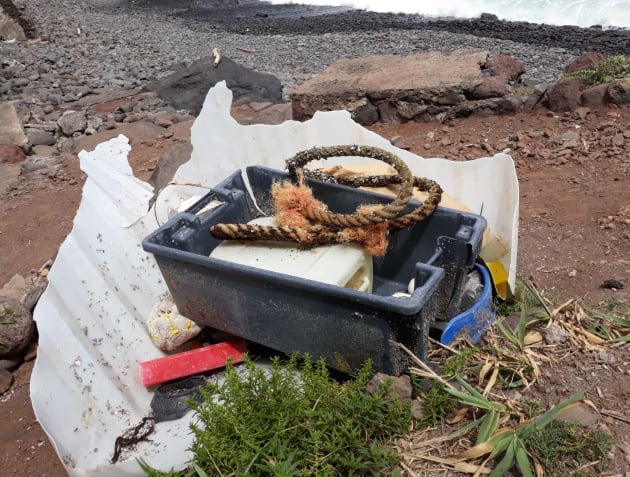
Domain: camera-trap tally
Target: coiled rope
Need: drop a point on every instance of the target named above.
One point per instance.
(326, 227)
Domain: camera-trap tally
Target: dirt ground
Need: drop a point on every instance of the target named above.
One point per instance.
(574, 176)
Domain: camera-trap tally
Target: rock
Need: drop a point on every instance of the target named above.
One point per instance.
(94, 123)
(588, 61)
(124, 107)
(10, 363)
(555, 334)
(167, 165)
(9, 28)
(72, 122)
(11, 154)
(365, 114)
(565, 95)
(425, 85)
(491, 87)
(504, 66)
(164, 119)
(11, 130)
(595, 97)
(400, 142)
(582, 112)
(187, 89)
(6, 380)
(16, 327)
(400, 386)
(580, 414)
(489, 17)
(45, 150)
(619, 91)
(133, 118)
(613, 283)
(417, 410)
(39, 137)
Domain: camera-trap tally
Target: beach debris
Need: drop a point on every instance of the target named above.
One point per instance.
(180, 365)
(168, 328)
(217, 57)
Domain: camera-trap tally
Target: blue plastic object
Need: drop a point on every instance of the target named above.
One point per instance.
(476, 319)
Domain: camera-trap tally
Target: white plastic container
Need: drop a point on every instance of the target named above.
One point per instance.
(347, 266)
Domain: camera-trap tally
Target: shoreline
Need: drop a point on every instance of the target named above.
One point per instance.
(255, 18)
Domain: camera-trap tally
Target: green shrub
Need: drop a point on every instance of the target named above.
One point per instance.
(610, 69)
(291, 421)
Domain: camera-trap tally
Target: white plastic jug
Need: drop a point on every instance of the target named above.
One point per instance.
(346, 266)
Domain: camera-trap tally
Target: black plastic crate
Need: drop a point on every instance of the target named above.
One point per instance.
(289, 313)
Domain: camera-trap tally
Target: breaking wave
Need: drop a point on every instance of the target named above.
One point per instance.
(584, 13)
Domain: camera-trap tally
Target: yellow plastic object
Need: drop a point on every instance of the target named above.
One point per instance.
(499, 278)
(347, 266)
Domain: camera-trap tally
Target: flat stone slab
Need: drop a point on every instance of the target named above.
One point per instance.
(432, 70)
(11, 130)
(397, 88)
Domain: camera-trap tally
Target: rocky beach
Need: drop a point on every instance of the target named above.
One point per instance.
(86, 72)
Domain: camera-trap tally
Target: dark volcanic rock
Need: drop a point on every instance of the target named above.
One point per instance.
(492, 87)
(565, 95)
(16, 327)
(505, 66)
(619, 91)
(595, 97)
(588, 61)
(233, 20)
(187, 89)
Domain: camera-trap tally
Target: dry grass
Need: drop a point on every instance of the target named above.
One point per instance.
(509, 360)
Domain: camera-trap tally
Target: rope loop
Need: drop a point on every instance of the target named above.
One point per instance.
(330, 227)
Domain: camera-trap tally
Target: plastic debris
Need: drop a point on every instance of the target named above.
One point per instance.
(169, 330)
(85, 387)
(187, 363)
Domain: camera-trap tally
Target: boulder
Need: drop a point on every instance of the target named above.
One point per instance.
(9, 28)
(565, 95)
(596, 97)
(11, 130)
(72, 122)
(16, 327)
(491, 87)
(187, 89)
(504, 66)
(588, 61)
(39, 137)
(425, 85)
(619, 91)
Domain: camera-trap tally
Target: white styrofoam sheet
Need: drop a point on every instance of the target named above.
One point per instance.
(85, 387)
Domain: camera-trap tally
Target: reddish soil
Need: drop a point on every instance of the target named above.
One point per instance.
(574, 235)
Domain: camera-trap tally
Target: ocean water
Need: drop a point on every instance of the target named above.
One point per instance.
(608, 13)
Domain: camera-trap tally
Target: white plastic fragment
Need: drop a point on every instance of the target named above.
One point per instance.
(168, 328)
(85, 388)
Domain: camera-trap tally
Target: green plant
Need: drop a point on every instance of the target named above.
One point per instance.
(563, 448)
(6, 315)
(511, 445)
(610, 322)
(611, 68)
(289, 421)
(437, 401)
(525, 296)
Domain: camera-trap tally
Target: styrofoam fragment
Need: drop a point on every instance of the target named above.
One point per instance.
(168, 328)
